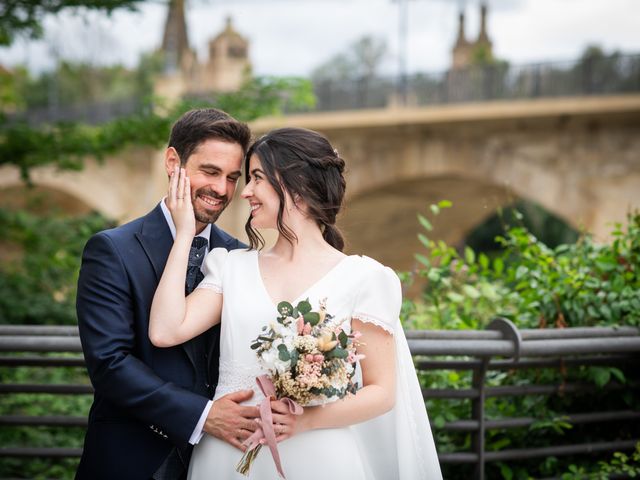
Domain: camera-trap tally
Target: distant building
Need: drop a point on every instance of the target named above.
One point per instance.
(224, 70)
(465, 53)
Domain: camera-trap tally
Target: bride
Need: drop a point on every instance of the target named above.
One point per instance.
(295, 184)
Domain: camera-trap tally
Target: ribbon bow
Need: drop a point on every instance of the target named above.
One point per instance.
(266, 431)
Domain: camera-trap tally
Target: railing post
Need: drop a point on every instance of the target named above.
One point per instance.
(477, 413)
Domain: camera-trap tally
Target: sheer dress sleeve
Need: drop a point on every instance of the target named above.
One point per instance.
(213, 270)
(380, 296)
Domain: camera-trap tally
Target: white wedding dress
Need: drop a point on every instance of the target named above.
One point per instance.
(396, 445)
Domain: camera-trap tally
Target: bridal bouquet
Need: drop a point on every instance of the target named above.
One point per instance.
(310, 359)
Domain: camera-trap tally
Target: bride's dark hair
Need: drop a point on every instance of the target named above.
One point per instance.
(303, 164)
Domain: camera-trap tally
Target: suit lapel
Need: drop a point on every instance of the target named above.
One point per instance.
(156, 240)
(217, 239)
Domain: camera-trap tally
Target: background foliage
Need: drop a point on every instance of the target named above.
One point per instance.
(535, 286)
(24, 17)
(66, 144)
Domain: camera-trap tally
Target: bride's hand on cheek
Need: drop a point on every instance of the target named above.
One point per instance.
(179, 203)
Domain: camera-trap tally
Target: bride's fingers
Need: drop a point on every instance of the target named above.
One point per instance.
(286, 433)
(283, 419)
(181, 182)
(187, 188)
(236, 443)
(173, 185)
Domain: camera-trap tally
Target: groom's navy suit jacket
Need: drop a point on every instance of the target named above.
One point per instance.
(145, 401)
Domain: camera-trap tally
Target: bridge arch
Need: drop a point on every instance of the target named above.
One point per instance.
(382, 221)
(575, 157)
(42, 200)
(120, 187)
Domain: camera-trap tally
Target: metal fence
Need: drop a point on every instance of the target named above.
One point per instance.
(501, 347)
(615, 74)
(94, 113)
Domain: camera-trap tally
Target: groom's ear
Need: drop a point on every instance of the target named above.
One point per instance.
(171, 159)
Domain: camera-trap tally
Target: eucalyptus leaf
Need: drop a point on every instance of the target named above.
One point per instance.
(337, 353)
(294, 356)
(285, 309)
(283, 353)
(303, 307)
(312, 318)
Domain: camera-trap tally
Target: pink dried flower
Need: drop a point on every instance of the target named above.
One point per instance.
(353, 357)
(319, 358)
(300, 325)
(309, 374)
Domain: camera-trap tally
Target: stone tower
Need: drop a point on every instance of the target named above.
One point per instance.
(464, 52)
(175, 42)
(462, 47)
(228, 64)
(225, 70)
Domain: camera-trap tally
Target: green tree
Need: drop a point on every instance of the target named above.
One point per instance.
(24, 17)
(361, 61)
(38, 284)
(66, 145)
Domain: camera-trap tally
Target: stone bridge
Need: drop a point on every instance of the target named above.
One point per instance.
(579, 158)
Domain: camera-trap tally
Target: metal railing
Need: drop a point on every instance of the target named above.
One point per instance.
(94, 113)
(607, 75)
(502, 347)
(613, 74)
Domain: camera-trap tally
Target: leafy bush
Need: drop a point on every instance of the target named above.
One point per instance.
(582, 284)
(38, 285)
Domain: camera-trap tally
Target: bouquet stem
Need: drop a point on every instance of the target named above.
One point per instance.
(244, 465)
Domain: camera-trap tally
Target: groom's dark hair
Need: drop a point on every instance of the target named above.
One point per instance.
(197, 126)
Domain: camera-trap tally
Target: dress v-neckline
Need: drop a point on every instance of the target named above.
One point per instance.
(305, 291)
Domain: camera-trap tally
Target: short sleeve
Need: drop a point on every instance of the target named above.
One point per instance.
(213, 269)
(380, 296)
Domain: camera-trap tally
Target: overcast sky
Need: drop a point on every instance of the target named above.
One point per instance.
(291, 37)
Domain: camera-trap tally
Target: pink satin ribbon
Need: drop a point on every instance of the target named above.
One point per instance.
(266, 431)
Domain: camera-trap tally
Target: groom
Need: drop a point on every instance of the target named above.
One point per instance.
(151, 405)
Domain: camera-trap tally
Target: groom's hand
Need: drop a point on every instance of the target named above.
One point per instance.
(231, 422)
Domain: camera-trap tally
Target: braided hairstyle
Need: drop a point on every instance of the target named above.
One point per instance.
(303, 164)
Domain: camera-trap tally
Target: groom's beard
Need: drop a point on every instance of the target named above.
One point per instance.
(206, 215)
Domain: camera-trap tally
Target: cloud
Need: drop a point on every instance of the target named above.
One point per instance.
(292, 37)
